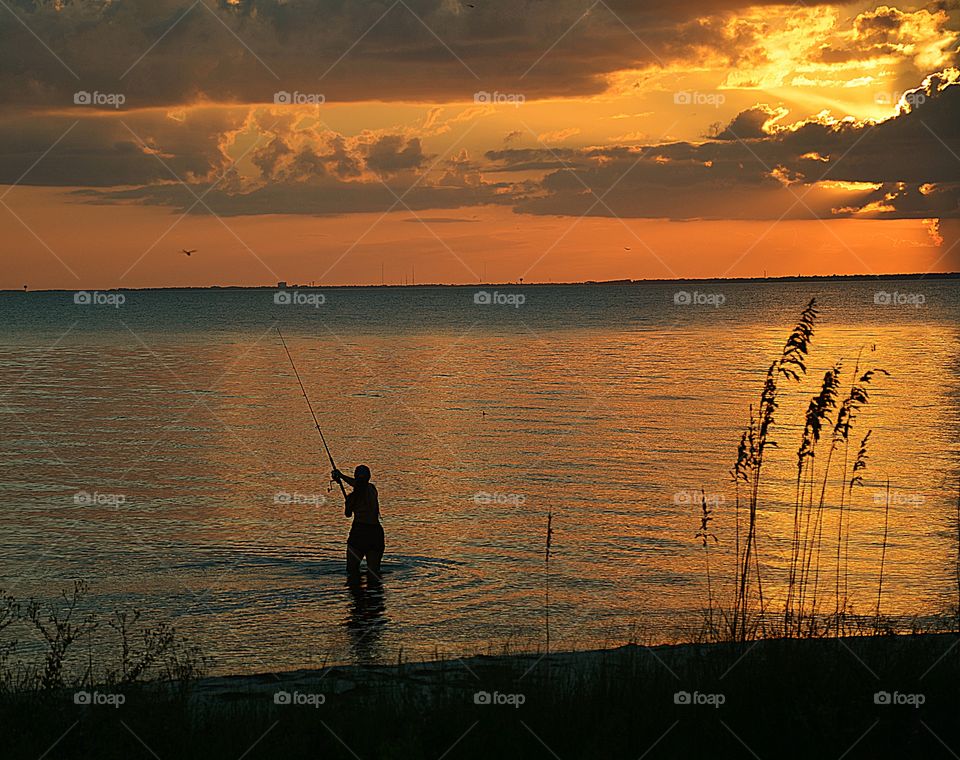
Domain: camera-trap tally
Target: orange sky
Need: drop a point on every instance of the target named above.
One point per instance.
(681, 142)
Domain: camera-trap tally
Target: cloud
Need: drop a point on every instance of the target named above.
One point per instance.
(815, 47)
(558, 135)
(753, 123)
(390, 154)
(759, 168)
(167, 52)
(117, 150)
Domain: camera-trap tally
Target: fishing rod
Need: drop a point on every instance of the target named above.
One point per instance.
(315, 420)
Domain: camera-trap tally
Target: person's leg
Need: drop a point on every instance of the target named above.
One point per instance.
(373, 562)
(353, 561)
(375, 554)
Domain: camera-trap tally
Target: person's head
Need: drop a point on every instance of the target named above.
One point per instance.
(362, 473)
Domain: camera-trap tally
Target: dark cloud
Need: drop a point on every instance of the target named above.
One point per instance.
(751, 124)
(394, 153)
(757, 169)
(322, 196)
(105, 151)
(171, 51)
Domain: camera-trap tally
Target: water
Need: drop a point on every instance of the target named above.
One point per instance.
(607, 405)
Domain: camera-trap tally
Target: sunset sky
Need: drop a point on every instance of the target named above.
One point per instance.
(331, 141)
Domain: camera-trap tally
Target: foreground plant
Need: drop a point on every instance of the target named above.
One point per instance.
(147, 652)
(748, 469)
(821, 493)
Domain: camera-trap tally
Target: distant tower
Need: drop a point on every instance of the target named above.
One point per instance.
(282, 285)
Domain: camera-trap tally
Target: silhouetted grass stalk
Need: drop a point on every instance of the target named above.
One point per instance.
(547, 571)
(822, 494)
(883, 553)
(706, 515)
(748, 468)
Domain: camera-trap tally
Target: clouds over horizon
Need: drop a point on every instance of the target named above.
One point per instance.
(766, 162)
(170, 52)
(760, 165)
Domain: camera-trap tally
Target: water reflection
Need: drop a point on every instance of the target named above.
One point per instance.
(624, 400)
(365, 621)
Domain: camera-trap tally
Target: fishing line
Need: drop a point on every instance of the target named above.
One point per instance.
(314, 414)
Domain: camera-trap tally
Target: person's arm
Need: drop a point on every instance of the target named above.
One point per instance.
(338, 476)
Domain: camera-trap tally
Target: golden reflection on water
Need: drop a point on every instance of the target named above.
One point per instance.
(473, 435)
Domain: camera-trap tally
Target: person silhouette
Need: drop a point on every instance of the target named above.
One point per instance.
(366, 534)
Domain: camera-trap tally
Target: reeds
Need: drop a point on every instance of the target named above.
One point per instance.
(958, 556)
(748, 469)
(546, 560)
(824, 489)
(883, 556)
(704, 534)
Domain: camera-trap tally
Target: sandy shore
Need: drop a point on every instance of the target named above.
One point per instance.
(471, 673)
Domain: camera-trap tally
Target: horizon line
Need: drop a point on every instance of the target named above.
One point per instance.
(281, 285)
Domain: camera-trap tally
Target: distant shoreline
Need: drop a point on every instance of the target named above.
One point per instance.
(597, 283)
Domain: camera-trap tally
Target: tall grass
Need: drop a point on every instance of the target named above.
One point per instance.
(546, 560)
(958, 555)
(143, 652)
(704, 534)
(830, 465)
(883, 554)
(748, 470)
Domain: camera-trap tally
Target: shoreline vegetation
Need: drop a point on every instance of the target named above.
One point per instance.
(913, 276)
(782, 666)
(812, 597)
(856, 696)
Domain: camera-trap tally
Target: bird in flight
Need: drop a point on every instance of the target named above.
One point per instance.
(192, 250)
